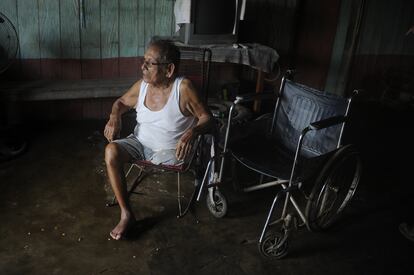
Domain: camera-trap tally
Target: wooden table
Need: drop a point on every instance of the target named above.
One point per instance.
(260, 57)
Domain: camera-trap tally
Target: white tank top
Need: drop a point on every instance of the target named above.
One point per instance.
(161, 130)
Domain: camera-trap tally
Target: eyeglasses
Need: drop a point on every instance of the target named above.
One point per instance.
(149, 64)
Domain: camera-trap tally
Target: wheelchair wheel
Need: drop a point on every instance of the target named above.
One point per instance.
(334, 188)
(217, 205)
(274, 245)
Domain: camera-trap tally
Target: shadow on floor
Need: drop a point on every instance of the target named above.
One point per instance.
(54, 220)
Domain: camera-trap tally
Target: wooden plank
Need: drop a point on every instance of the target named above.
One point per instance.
(90, 40)
(172, 30)
(69, 109)
(91, 109)
(110, 38)
(50, 68)
(128, 38)
(384, 26)
(141, 27)
(49, 38)
(129, 67)
(163, 17)
(128, 28)
(71, 68)
(28, 28)
(107, 107)
(110, 67)
(69, 29)
(49, 29)
(90, 32)
(70, 39)
(29, 38)
(149, 24)
(259, 89)
(63, 90)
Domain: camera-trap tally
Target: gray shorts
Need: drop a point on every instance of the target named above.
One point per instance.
(137, 151)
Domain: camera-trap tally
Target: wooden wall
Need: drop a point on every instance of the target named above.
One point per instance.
(302, 31)
(383, 63)
(84, 39)
(65, 39)
(108, 43)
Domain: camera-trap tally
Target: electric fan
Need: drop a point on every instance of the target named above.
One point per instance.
(9, 43)
(11, 143)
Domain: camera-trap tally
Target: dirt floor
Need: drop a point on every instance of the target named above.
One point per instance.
(54, 220)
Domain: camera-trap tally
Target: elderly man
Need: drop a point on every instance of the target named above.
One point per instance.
(170, 115)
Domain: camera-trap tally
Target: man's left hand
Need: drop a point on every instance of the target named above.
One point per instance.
(184, 145)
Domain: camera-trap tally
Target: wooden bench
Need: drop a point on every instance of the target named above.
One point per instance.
(45, 90)
(61, 99)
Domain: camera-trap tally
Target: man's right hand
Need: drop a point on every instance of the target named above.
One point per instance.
(112, 128)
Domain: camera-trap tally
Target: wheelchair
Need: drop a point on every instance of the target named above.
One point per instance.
(194, 64)
(297, 147)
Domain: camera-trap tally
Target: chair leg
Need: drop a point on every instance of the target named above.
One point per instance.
(179, 194)
(190, 203)
(204, 179)
(142, 174)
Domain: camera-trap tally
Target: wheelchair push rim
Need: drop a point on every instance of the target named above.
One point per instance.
(334, 188)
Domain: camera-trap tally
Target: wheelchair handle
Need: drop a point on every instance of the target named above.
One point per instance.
(251, 97)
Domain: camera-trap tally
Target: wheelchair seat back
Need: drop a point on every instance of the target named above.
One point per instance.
(297, 107)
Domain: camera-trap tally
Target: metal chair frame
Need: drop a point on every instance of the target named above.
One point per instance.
(146, 167)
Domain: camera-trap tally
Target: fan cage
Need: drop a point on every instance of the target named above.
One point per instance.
(9, 43)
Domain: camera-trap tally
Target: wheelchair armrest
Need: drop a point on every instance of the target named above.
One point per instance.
(328, 122)
(251, 97)
(317, 125)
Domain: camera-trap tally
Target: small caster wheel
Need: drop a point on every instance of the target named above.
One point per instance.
(274, 245)
(217, 204)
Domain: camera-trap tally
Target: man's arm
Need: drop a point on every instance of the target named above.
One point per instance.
(191, 104)
(120, 106)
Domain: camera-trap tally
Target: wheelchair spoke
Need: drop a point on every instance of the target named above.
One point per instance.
(326, 200)
(218, 204)
(270, 248)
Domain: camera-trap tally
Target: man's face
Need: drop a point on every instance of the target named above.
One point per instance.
(153, 71)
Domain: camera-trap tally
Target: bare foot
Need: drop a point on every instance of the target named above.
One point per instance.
(122, 228)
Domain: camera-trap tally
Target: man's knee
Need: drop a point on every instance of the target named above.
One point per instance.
(113, 154)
